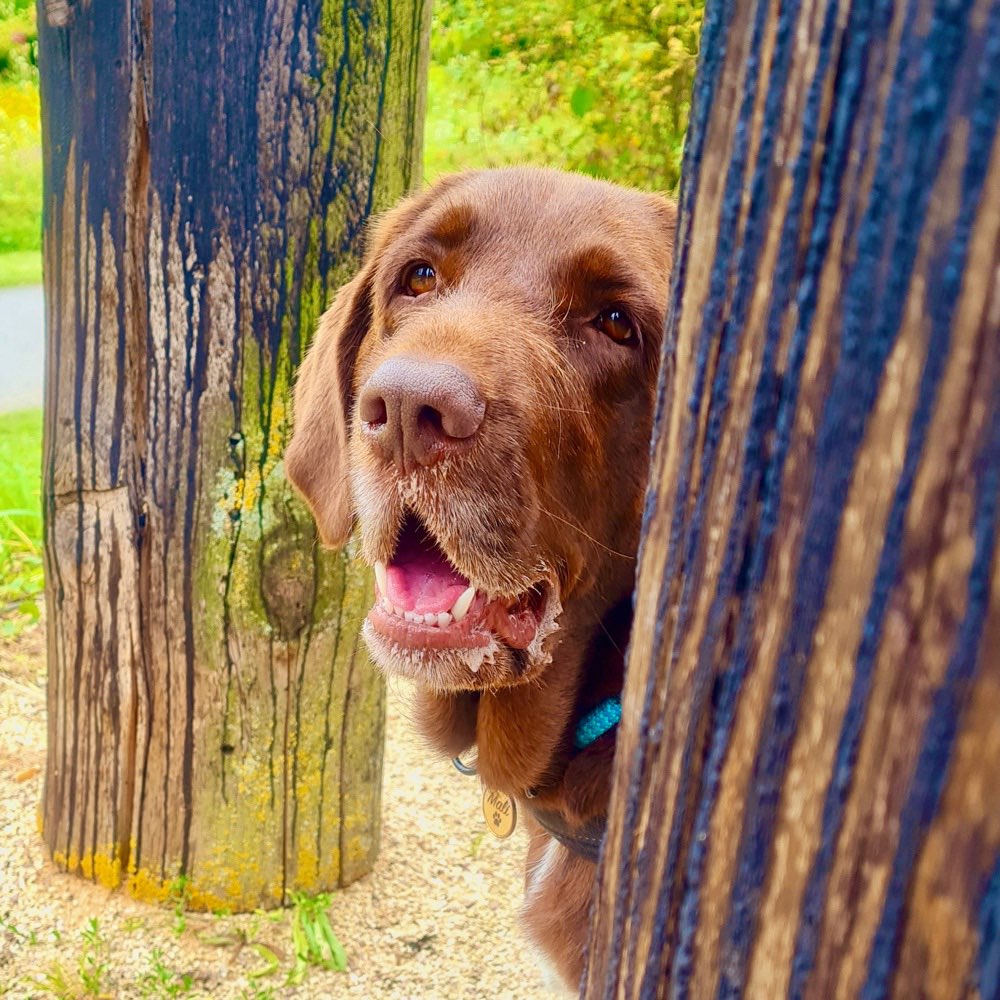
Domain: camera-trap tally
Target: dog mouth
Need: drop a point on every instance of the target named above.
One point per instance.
(423, 603)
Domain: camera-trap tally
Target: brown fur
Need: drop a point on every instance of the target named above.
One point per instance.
(550, 491)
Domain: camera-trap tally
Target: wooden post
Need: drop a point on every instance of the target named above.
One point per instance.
(209, 168)
(806, 797)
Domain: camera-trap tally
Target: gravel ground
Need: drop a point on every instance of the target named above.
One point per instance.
(436, 919)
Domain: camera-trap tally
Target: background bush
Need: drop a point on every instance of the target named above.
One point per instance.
(20, 169)
(602, 88)
(20, 132)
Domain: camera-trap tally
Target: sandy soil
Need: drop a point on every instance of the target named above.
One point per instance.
(436, 919)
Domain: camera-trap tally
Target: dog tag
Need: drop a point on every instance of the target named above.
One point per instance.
(500, 813)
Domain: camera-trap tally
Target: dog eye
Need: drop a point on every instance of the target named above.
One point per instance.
(616, 324)
(419, 278)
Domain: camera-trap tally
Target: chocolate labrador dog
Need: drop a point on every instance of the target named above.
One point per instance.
(479, 400)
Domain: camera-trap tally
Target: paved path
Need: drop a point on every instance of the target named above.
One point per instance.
(22, 348)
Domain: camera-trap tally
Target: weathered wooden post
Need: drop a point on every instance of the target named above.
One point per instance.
(806, 799)
(208, 172)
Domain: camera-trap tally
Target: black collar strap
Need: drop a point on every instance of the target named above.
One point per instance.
(583, 840)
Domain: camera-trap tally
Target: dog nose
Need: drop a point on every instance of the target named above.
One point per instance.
(418, 412)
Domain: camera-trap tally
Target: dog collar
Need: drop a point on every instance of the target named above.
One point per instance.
(597, 722)
(583, 840)
(500, 810)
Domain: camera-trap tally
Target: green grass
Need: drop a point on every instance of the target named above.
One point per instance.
(21, 572)
(20, 267)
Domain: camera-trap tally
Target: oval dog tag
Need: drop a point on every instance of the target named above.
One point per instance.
(500, 813)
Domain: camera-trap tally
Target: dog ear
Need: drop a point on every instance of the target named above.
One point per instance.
(316, 457)
(665, 211)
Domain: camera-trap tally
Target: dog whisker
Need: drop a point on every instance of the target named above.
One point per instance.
(611, 638)
(588, 536)
(564, 409)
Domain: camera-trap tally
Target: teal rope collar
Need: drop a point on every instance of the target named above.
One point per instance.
(597, 722)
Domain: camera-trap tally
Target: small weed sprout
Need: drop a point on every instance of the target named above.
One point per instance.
(179, 895)
(259, 993)
(161, 981)
(475, 842)
(93, 964)
(56, 983)
(312, 936)
(25, 937)
(91, 970)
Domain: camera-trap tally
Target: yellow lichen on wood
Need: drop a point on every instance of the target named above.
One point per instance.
(103, 867)
(147, 887)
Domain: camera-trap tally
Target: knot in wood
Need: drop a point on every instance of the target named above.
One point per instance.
(58, 12)
(288, 585)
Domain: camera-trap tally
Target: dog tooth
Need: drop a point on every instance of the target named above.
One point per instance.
(461, 607)
(412, 616)
(430, 619)
(398, 612)
(381, 577)
(443, 619)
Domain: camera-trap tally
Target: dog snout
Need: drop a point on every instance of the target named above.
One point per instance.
(419, 412)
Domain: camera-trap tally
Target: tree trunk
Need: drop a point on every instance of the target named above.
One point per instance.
(806, 799)
(208, 172)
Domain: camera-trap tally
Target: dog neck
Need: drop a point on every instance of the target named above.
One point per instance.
(524, 735)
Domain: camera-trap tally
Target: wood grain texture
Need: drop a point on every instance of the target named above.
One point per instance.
(805, 802)
(208, 173)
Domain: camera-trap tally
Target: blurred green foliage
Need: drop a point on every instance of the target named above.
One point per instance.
(20, 141)
(20, 168)
(18, 39)
(602, 88)
(21, 267)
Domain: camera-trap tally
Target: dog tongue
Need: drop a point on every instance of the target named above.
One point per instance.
(421, 579)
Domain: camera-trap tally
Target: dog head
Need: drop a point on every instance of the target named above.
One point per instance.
(479, 399)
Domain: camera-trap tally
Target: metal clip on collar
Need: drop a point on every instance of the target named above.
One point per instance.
(463, 768)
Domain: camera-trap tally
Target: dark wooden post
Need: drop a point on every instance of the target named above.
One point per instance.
(208, 171)
(806, 798)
